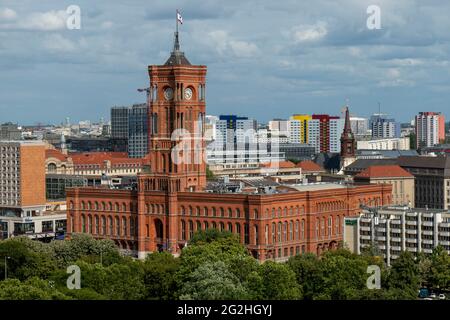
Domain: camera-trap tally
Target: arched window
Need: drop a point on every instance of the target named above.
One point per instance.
(103, 225)
(117, 222)
(131, 227)
(291, 211)
(291, 231)
(51, 168)
(183, 230)
(330, 226)
(89, 205)
(205, 211)
(83, 223)
(230, 213)
(302, 228)
(238, 231)
(190, 210)
(279, 212)
(213, 212)
(255, 235)
(238, 213)
(183, 212)
(199, 226)
(110, 206)
(97, 225)
(197, 211)
(255, 214)
(110, 223)
(317, 227)
(285, 211)
(322, 227)
(124, 226)
(124, 207)
(205, 225)
(273, 213)
(116, 207)
(96, 205)
(191, 229)
(266, 234)
(214, 225)
(83, 205)
(279, 231)
(337, 225)
(297, 231)
(274, 232)
(222, 212)
(285, 231)
(222, 226)
(230, 227)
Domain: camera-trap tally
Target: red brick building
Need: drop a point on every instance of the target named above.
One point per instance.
(171, 202)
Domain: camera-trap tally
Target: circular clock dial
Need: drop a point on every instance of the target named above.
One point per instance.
(188, 94)
(168, 93)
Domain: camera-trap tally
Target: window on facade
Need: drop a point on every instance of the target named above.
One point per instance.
(337, 224)
(182, 211)
(110, 223)
(97, 226)
(317, 227)
(132, 227)
(83, 224)
(124, 226)
(330, 226)
(322, 227)
(47, 226)
(190, 210)
(302, 230)
(205, 224)
(238, 213)
(222, 212)
(199, 226)
(205, 211)
(246, 233)
(291, 231)
(214, 225)
(285, 231)
(222, 226)
(230, 213)
(255, 214)
(274, 232)
(90, 224)
(191, 229)
(117, 222)
(103, 226)
(183, 230)
(213, 212)
(279, 231)
(238, 230)
(230, 227)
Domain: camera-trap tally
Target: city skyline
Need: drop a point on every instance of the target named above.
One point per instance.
(313, 60)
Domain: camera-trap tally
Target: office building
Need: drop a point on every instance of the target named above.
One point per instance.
(384, 144)
(138, 131)
(383, 127)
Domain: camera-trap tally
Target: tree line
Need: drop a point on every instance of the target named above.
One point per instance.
(214, 265)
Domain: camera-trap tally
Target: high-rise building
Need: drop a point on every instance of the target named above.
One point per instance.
(298, 128)
(382, 127)
(359, 125)
(430, 129)
(131, 123)
(324, 132)
(119, 122)
(138, 131)
(22, 175)
(280, 126)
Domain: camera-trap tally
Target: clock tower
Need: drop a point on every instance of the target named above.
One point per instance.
(176, 123)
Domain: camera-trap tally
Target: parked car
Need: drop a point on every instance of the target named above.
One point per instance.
(442, 296)
(433, 296)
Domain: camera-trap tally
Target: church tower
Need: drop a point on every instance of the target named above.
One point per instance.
(176, 123)
(348, 143)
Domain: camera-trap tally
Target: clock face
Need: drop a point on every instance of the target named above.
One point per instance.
(168, 93)
(188, 94)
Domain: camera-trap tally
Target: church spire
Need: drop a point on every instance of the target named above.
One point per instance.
(177, 57)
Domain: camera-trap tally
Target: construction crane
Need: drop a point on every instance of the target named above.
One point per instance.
(148, 91)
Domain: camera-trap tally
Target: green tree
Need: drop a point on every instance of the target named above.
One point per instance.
(213, 281)
(404, 276)
(439, 275)
(159, 276)
(32, 289)
(279, 282)
(308, 273)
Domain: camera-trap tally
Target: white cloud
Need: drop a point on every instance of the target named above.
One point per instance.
(46, 21)
(304, 33)
(7, 14)
(56, 42)
(224, 43)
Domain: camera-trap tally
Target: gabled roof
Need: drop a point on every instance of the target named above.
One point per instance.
(389, 171)
(308, 166)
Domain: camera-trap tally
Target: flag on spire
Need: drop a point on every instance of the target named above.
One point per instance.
(179, 17)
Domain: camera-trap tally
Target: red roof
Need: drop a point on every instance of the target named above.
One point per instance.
(309, 165)
(384, 172)
(53, 153)
(100, 157)
(281, 164)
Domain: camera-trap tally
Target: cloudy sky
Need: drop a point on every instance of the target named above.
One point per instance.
(266, 59)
